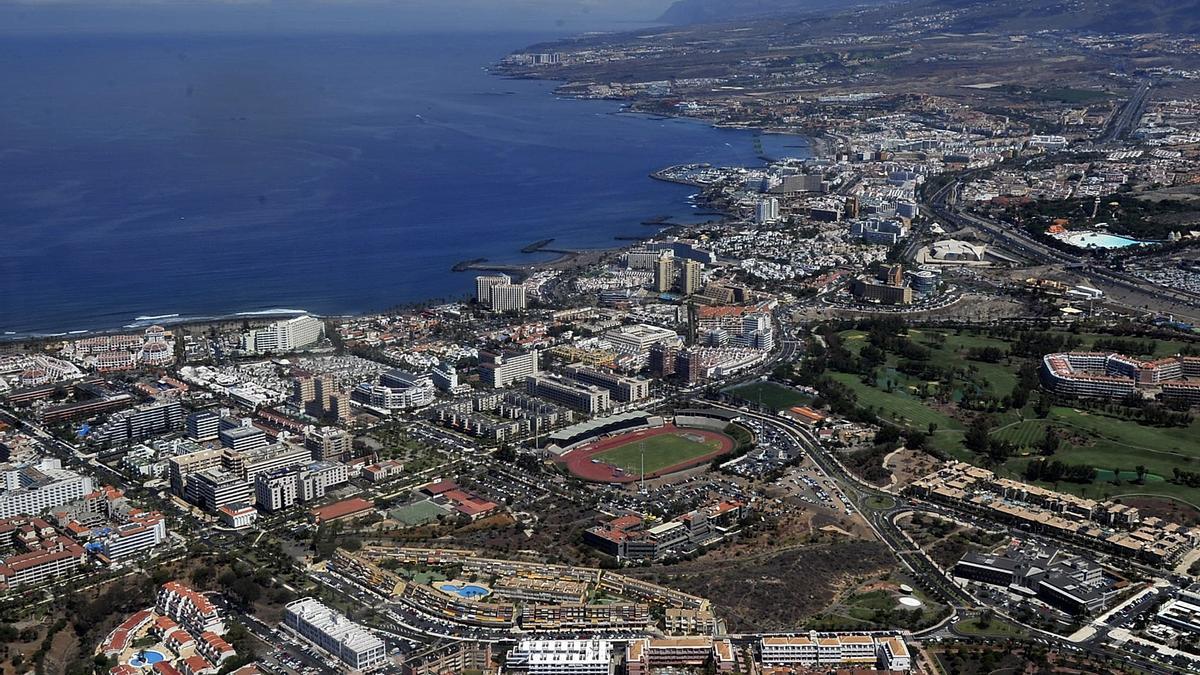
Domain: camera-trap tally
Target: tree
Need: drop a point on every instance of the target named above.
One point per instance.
(1050, 442)
(1141, 473)
(1042, 406)
(979, 434)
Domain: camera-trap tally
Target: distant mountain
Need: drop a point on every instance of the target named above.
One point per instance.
(1102, 16)
(712, 11)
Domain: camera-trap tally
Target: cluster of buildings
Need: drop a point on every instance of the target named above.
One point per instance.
(186, 628)
(889, 288)
(642, 656)
(245, 469)
(510, 593)
(34, 552)
(501, 415)
(396, 390)
(111, 527)
(109, 353)
(287, 335)
(631, 537)
(21, 371)
(1111, 375)
(1072, 584)
(1101, 525)
(140, 422)
(498, 293)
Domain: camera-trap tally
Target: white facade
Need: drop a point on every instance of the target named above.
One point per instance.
(131, 539)
(562, 657)
(506, 297)
(32, 488)
(767, 211)
(330, 631)
(637, 339)
(483, 286)
(284, 336)
(501, 370)
(397, 390)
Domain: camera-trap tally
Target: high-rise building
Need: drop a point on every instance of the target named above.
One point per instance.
(583, 397)
(886, 294)
(314, 479)
(767, 211)
(895, 275)
(445, 376)
(141, 422)
(500, 369)
(662, 360)
(692, 277)
(284, 336)
(182, 467)
(203, 425)
(243, 438)
(249, 464)
(623, 389)
(688, 366)
(506, 297)
(329, 443)
(664, 273)
(483, 286)
(319, 396)
(276, 490)
(214, 488)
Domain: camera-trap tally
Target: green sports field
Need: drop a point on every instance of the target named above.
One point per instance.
(662, 451)
(770, 394)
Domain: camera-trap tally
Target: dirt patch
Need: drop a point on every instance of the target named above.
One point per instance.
(1162, 507)
(64, 649)
(907, 465)
(776, 591)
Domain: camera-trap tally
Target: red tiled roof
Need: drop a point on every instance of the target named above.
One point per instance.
(439, 487)
(342, 509)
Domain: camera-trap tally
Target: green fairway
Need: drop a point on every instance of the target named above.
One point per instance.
(770, 394)
(662, 451)
(897, 405)
(1109, 443)
(908, 396)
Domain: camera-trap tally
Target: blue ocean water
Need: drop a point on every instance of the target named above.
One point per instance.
(204, 176)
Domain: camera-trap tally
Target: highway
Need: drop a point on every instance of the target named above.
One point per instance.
(1129, 114)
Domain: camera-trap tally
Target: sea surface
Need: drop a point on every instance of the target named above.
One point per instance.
(182, 177)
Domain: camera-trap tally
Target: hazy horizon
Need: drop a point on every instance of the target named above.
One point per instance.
(309, 16)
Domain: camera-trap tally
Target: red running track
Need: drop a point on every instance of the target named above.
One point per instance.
(579, 460)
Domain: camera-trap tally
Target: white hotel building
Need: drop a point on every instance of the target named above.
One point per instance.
(333, 633)
(34, 487)
(284, 336)
(836, 649)
(562, 657)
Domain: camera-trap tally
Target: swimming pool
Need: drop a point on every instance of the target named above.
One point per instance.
(468, 591)
(147, 657)
(1089, 239)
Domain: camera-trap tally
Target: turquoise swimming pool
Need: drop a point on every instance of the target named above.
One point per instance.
(1098, 240)
(147, 657)
(467, 591)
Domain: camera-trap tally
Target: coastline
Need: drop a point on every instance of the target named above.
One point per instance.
(566, 259)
